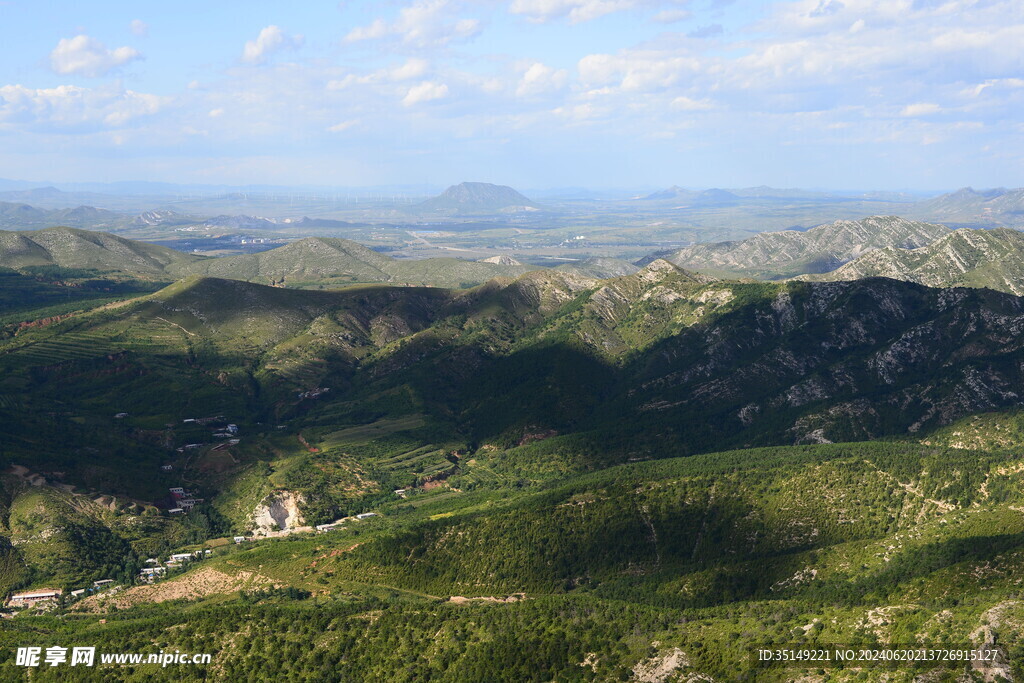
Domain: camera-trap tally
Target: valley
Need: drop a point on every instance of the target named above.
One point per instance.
(647, 468)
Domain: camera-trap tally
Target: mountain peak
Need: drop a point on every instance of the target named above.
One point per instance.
(475, 197)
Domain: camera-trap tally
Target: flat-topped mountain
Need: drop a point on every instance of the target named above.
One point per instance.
(818, 250)
(478, 198)
(964, 258)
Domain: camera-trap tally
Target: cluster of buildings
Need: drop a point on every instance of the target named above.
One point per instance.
(220, 431)
(49, 597)
(183, 500)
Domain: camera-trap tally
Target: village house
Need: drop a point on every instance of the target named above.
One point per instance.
(181, 557)
(177, 491)
(366, 515)
(102, 582)
(176, 511)
(239, 539)
(35, 597)
(78, 593)
(166, 468)
(327, 527)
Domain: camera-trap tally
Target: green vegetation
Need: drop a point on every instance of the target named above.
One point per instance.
(572, 479)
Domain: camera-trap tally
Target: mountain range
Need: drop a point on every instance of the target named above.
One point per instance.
(964, 258)
(317, 260)
(818, 250)
(632, 476)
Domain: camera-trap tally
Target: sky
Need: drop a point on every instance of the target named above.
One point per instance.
(840, 94)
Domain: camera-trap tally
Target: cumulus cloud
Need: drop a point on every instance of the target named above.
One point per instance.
(139, 28)
(539, 78)
(920, 109)
(425, 23)
(72, 108)
(636, 71)
(575, 10)
(271, 39)
(425, 92)
(86, 56)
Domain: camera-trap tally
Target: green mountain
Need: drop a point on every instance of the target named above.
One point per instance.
(572, 478)
(83, 249)
(477, 198)
(773, 255)
(327, 260)
(964, 258)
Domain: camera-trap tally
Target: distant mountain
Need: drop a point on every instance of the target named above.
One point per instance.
(672, 193)
(477, 198)
(967, 207)
(501, 260)
(818, 250)
(21, 216)
(73, 248)
(339, 261)
(964, 258)
(161, 217)
(53, 198)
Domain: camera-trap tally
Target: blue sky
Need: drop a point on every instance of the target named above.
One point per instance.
(844, 94)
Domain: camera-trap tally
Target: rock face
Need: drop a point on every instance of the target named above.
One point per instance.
(278, 512)
(501, 260)
(972, 258)
(818, 250)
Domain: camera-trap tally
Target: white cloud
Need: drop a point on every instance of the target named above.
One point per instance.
(576, 10)
(920, 109)
(425, 23)
(72, 108)
(671, 16)
(413, 68)
(998, 83)
(425, 92)
(86, 56)
(410, 69)
(216, 113)
(539, 78)
(139, 28)
(683, 103)
(344, 125)
(271, 39)
(636, 71)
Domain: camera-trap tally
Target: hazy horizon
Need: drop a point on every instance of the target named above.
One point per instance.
(912, 94)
